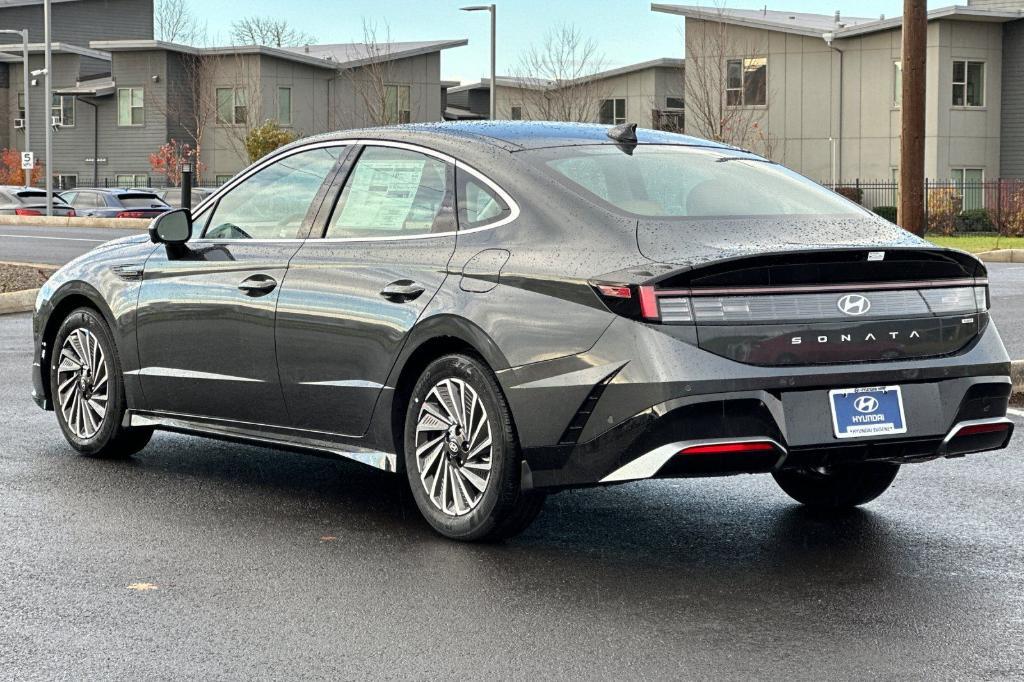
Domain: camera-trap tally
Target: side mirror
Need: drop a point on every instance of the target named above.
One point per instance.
(173, 227)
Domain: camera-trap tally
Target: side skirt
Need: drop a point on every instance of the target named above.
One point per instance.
(261, 434)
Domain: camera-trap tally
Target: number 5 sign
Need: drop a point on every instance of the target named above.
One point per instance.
(28, 160)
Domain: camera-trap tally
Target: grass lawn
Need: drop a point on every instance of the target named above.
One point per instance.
(978, 243)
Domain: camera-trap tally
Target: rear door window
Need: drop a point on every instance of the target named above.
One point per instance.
(394, 193)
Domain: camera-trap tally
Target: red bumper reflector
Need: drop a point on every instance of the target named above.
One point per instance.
(727, 448)
(977, 429)
(615, 290)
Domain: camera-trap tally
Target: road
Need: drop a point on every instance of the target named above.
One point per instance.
(52, 245)
(213, 560)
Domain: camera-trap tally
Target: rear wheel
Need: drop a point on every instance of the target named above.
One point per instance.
(461, 454)
(88, 391)
(837, 487)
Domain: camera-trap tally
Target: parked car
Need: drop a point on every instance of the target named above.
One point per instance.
(499, 311)
(115, 203)
(27, 201)
(172, 195)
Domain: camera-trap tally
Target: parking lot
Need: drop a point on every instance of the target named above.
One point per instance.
(214, 560)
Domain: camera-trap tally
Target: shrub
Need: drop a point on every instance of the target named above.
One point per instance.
(944, 206)
(887, 212)
(854, 194)
(266, 138)
(1013, 213)
(10, 168)
(975, 220)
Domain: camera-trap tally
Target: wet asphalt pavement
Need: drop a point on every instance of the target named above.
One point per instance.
(200, 559)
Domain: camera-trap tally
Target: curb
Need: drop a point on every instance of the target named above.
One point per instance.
(23, 301)
(39, 266)
(55, 221)
(1002, 256)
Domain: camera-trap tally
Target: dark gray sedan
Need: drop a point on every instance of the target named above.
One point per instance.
(500, 311)
(116, 203)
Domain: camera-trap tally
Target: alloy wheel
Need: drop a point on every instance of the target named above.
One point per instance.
(82, 381)
(453, 447)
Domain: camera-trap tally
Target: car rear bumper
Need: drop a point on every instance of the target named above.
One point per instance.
(632, 405)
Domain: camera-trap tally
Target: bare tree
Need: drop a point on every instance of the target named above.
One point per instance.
(244, 113)
(555, 77)
(712, 111)
(256, 30)
(174, 22)
(189, 102)
(378, 98)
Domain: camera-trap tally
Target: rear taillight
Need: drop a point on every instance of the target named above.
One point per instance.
(27, 211)
(131, 214)
(71, 213)
(978, 429)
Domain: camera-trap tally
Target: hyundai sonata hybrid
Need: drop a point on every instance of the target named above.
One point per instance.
(498, 311)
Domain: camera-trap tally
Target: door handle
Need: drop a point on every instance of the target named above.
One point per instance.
(258, 285)
(402, 290)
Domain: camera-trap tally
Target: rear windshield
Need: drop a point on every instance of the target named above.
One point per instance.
(36, 196)
(660, 181)
(140, 200)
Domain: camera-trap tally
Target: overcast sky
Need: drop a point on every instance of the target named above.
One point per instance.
(626, 30)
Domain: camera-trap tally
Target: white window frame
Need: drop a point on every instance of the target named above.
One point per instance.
(135, 183)
(236, 104)
(58, 181)
(21, 106)
(616, 119)
(961, 182)
(131, 107)
(963, 84)
(282, 121)
(742, 89)
(401, 115)
(57, 111)
(897, 84)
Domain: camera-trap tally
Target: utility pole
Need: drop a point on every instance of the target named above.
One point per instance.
(914, 56)
(48, 105)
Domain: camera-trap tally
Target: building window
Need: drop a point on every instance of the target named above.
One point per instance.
(674, 103)
(396, 104)
(970, 184)
(63, 111)
(517, 113)
(222, 179)
(612, 111)
(130, 109)
(232, 106)
(897, 84)
(746, 82)
(968, 84)
(669, 120)
(132, 180)
(21, 105)
(62, 182)
(284, 106)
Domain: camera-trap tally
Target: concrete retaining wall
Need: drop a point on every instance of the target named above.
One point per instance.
(23, 301)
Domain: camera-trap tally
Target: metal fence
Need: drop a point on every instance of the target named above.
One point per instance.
(67, 182)
(951, 206)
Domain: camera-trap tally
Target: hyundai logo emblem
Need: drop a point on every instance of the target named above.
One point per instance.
(853, 304)
(865, 404)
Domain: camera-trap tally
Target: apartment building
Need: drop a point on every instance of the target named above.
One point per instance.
(822, 92)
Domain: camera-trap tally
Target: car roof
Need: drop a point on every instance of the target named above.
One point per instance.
(512, 135)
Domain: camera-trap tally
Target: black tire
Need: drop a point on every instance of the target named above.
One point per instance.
(111, 439)
(839, 487)
(502, 509)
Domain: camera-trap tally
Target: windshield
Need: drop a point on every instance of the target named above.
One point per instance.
(660, 181)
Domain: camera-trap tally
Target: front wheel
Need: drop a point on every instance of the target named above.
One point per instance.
(837, 487)
(462, 456)
(87, 389)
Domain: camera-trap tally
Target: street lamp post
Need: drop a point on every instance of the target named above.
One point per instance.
(494, 87)
(24, 64)
(48, 104)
